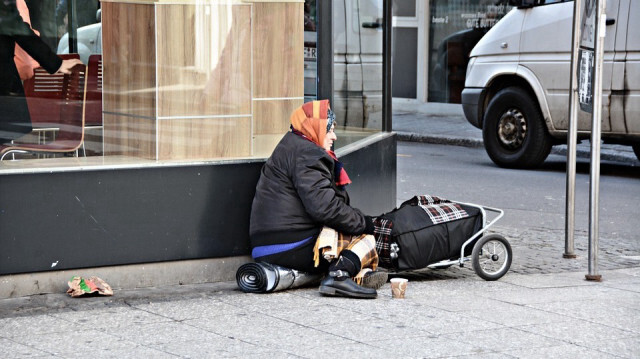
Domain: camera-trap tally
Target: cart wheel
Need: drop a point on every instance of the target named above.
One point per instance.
(491, 257)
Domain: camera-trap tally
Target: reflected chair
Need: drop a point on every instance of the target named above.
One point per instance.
(93, 101)
(55, 102)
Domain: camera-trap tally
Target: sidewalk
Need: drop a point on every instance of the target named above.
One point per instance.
(446, 124)
(446, 313)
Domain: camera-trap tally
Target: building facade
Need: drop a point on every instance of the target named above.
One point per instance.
(430, 62)
(181, 103)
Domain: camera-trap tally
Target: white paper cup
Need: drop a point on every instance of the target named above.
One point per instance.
(398, 287)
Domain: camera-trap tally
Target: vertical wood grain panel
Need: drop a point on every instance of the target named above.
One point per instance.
(204, 138)
(129, 58)
(278, 50)
(129, 136)
(272, 116)
(204, 54)
(129, 79)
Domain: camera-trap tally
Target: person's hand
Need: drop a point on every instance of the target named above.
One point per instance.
(66, 66)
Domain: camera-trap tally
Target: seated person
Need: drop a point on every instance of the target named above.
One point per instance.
(301, 190)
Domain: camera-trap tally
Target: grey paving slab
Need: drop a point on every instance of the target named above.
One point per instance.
(459, 302)
(268, 332)
(314, 315)
(189, 309)
(552, 280)
(162, 332)
(631, 287)
(355, 350)
(501, 340)
(512, 315)
(370, 332)
(577, 331)
(274, 300)
(566, 351)
(451, 287)
(270, 354)
(430, 347)
(34, 325)
(218, 348)
(66, 344)
(623, 348)
(432, 319)
(11, 349)
(110, 317)
(483, 356)
(519, 295)
(133, 352)
(596, 312)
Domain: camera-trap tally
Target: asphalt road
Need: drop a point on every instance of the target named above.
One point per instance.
(533, 201)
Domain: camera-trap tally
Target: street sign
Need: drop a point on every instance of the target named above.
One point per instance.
(585, 79)
(586, 56)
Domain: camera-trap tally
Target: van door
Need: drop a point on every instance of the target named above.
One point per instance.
(550, 61)
(632, 71)
(618, 81)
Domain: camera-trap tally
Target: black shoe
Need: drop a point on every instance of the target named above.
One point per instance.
(346, 287)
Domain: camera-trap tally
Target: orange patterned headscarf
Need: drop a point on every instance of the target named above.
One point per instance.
(311, 120)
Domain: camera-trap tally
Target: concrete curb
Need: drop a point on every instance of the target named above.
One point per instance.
(606, 155)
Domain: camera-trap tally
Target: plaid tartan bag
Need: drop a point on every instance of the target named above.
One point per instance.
(425, 230)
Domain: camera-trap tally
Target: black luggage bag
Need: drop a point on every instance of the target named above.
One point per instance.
(426, 230)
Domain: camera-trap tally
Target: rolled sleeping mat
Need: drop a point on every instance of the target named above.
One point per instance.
(266, 277)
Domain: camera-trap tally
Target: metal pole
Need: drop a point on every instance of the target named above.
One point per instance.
(324, 46)
(572, 138)
(386, 66)
(72, 26)
(596, 129)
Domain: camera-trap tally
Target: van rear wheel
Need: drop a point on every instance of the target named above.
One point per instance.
(514, 132)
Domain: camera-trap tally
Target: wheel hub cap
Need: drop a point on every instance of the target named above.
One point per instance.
(512, 129)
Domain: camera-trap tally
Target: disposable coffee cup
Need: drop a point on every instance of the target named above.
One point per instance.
(398, 287)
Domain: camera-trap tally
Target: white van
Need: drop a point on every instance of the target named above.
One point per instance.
(518, 78)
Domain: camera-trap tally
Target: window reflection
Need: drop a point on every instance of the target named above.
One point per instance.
(357, 71)
(197, 80)
(454, 29)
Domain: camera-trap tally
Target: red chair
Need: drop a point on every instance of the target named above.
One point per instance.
(57, 102)
(44, 96)
(93, 101)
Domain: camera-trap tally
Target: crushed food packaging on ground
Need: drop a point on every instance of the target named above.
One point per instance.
(79, 286)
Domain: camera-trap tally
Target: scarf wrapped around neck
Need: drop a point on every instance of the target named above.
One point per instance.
(310, 121)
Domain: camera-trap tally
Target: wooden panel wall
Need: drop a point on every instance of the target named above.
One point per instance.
(204, 138)
(129, 136)
(278, 40)
(204, 60)
(278, 65)
(212, 61)
(129, 83)
(272, 116)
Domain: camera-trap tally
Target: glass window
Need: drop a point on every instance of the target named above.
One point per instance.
(168, 82)
(404, 8)
(454, 29)
(310, 51)
(357, 69)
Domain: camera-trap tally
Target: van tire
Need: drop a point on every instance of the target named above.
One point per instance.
(514, 133)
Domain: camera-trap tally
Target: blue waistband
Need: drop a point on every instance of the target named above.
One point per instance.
(277, 248)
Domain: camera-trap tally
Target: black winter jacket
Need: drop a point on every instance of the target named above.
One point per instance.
(297, 195)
